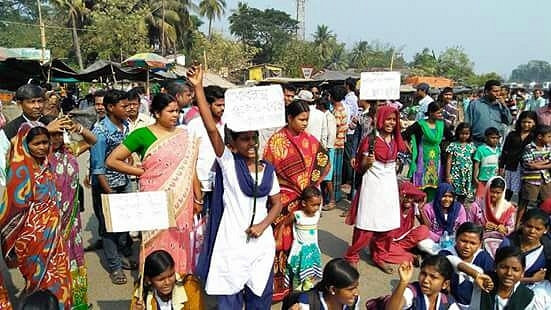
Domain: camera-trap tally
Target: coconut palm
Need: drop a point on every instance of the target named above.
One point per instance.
(324, 42)
(359, 56)
(77, 12)
(212, 9)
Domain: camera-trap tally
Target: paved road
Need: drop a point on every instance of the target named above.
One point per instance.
(334, 237)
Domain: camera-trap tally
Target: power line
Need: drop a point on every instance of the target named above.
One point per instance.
(47, 26)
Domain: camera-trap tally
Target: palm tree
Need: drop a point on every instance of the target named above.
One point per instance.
(167, 21)
(212, 9)
(77, 12)
(324, 42)
(359, 56)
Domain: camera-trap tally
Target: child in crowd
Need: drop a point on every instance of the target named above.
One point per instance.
(40, 300)
(512, 150)
(429, 292)
(494, 213)
(163, 287)
(536, 162)
(486, 160)
(509, 292)
(535, 245)
(304, 262)
(338, 289)
(444, 214)
(467, 251)
(241, 247)
(392, 248)
(459, 165)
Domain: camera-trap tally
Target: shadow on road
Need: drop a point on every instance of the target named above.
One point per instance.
(330, 244)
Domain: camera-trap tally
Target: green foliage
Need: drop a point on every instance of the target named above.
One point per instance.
(455, 64)
(117, 31)
(533, 71)
(295, 54)
(479, 80)
(424, 63)
(223, 55)
(212, 9)
(267, 30)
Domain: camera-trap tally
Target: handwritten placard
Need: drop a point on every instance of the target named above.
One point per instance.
(380, 85)
(254, 108)
(140, 211)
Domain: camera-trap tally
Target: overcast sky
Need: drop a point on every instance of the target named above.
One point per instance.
(497, 35)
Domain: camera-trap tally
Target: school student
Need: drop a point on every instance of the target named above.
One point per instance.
(429, 292)
(241, 247)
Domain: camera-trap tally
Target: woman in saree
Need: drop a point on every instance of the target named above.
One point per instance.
(64, 165)
(494, 213)
(30, 217)
(299, 161)
(168, 156)
(426, 137)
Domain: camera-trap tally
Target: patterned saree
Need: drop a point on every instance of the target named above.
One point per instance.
(30, 220)
(299, 161)
(169, 165)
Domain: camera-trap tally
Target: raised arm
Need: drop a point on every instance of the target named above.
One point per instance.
(195, 76)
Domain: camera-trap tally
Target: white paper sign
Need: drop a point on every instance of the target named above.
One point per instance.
(140, 211)
(254, 108)
(380, 85)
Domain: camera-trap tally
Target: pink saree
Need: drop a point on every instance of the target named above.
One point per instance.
(169, 165)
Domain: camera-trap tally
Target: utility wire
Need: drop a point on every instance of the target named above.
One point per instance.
(46, 26)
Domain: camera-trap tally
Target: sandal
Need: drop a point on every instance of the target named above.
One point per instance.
(330, 206)
(128, 264)
(118, 277)
(387, 268)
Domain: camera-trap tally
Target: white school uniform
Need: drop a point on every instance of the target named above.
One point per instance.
(236, 262)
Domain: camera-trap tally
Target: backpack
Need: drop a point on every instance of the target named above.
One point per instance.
(293, 298)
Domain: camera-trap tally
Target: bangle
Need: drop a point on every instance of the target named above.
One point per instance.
(80, 130)
(199, 202)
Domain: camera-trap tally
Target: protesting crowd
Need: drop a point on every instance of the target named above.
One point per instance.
(461, 190)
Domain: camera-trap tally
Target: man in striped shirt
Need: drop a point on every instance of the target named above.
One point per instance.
(536, 162)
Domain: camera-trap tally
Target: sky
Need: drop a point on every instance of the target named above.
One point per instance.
(498, 35)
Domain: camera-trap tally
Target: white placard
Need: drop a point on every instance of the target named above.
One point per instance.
(307, 72)
(254, 108)
(380, 85)
(139, 211)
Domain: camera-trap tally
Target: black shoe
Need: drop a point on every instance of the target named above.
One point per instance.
(98, 245)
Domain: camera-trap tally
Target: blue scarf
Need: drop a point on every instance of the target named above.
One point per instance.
(453, 212)
(215, 207)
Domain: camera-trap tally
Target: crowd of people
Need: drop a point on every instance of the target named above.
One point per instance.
(472, 209)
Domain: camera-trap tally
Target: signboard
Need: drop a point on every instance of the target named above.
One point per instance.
(254, 108)
(307, 71)
(380, 85)
(139, 211)
(26, 54)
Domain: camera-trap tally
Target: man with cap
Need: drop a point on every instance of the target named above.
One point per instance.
(424, 100)
(316, 121)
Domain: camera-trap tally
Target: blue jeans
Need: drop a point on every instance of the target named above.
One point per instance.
(111, 241)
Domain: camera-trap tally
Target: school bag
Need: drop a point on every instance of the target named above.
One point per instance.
(293, 298)
(379, 303)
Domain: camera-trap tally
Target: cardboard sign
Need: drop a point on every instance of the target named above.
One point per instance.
(254, 108)
(380, 85)
(140, 211)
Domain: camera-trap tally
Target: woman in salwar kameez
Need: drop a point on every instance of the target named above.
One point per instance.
(299, 161)
(30, 217)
